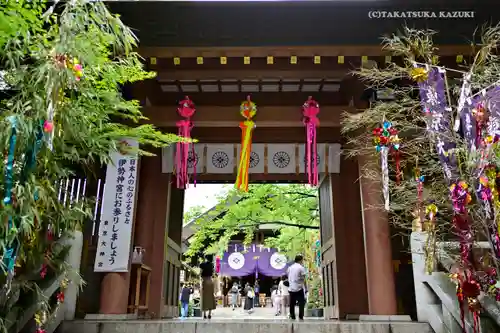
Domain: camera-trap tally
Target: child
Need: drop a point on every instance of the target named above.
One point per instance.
(184, 298)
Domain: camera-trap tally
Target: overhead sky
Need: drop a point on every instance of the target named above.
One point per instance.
(205, 195)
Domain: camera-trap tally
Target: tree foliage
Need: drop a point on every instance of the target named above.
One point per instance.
(418, 145)
(65, 72)
(290, 209)
(193, 212)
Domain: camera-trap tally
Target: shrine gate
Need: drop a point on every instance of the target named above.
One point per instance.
(217, 75)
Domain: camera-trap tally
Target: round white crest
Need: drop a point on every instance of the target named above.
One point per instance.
(236, 260)
(278, 260)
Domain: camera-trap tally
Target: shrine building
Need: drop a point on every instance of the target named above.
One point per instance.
(279, 54)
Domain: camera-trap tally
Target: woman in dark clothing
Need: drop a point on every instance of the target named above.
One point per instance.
(207, 287)
(249, 295)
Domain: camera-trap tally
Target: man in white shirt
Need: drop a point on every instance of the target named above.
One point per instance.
(283, 291)
(296, 279)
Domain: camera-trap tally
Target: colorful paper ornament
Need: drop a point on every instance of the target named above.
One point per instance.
(248, 110)
(186, 110)
(419, 74)
(310, 111)
(386, 140)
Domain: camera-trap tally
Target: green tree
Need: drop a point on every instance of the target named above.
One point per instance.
(291, 209)
(65, 113)
(193, 212)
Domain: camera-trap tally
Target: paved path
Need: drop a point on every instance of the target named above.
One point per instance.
(238, 313)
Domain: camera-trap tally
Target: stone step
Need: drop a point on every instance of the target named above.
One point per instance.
(241, 326)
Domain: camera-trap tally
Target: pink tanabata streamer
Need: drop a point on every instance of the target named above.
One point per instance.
(186, 110)
(310, 111)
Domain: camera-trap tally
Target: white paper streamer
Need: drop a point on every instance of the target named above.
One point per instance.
(384, 153)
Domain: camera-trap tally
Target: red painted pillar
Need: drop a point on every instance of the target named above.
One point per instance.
(378, 254)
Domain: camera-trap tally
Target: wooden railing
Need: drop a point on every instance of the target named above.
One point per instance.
(435, 293)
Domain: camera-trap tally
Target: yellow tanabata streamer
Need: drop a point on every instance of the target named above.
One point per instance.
(248, 110)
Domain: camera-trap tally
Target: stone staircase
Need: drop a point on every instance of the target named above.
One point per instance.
(235, 326)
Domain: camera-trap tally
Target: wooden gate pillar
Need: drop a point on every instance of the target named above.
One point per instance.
(348, 234)
(377, 243)
(380, 273)
(151, 227)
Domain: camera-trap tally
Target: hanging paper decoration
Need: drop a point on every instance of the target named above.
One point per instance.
(419, 74)
(430, 253)
(386, 140)
(41, 317)
(318, 253)
(248, 110)
(217, 264)
(186, 110)
(434, 103)
(9, 256)
(310, 111)
(488, 191)
(420, 179)
(468, 289)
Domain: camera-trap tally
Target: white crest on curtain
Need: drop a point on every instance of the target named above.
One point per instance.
(220, 158)
(321, 158)
(281, 158)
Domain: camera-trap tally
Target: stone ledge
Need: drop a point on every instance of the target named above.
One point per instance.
(240, 326)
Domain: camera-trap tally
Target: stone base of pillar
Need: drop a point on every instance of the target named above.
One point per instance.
(394, 318)
(103, 317)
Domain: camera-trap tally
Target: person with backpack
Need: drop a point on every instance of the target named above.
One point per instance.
(235, 290)
(283, 292)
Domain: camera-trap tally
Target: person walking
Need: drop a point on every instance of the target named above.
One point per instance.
(207, 287)
(184, 299)
(235, 290)
(296, 279)
(256, 290)
(283, 291)
(250, 295)
(276, 299)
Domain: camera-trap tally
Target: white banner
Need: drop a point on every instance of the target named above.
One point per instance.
(256, 158)
(281, 158)
(195, 158)
(220, 158)
(168, 159)
(320, 160)
(334, 158)
(117, 213)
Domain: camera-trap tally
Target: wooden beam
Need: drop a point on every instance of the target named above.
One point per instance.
(286, 51)
(250, 74)
(261, 134)
(229, 116)
(233, 99)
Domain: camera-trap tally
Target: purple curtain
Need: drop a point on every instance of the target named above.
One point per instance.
(240, 260)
